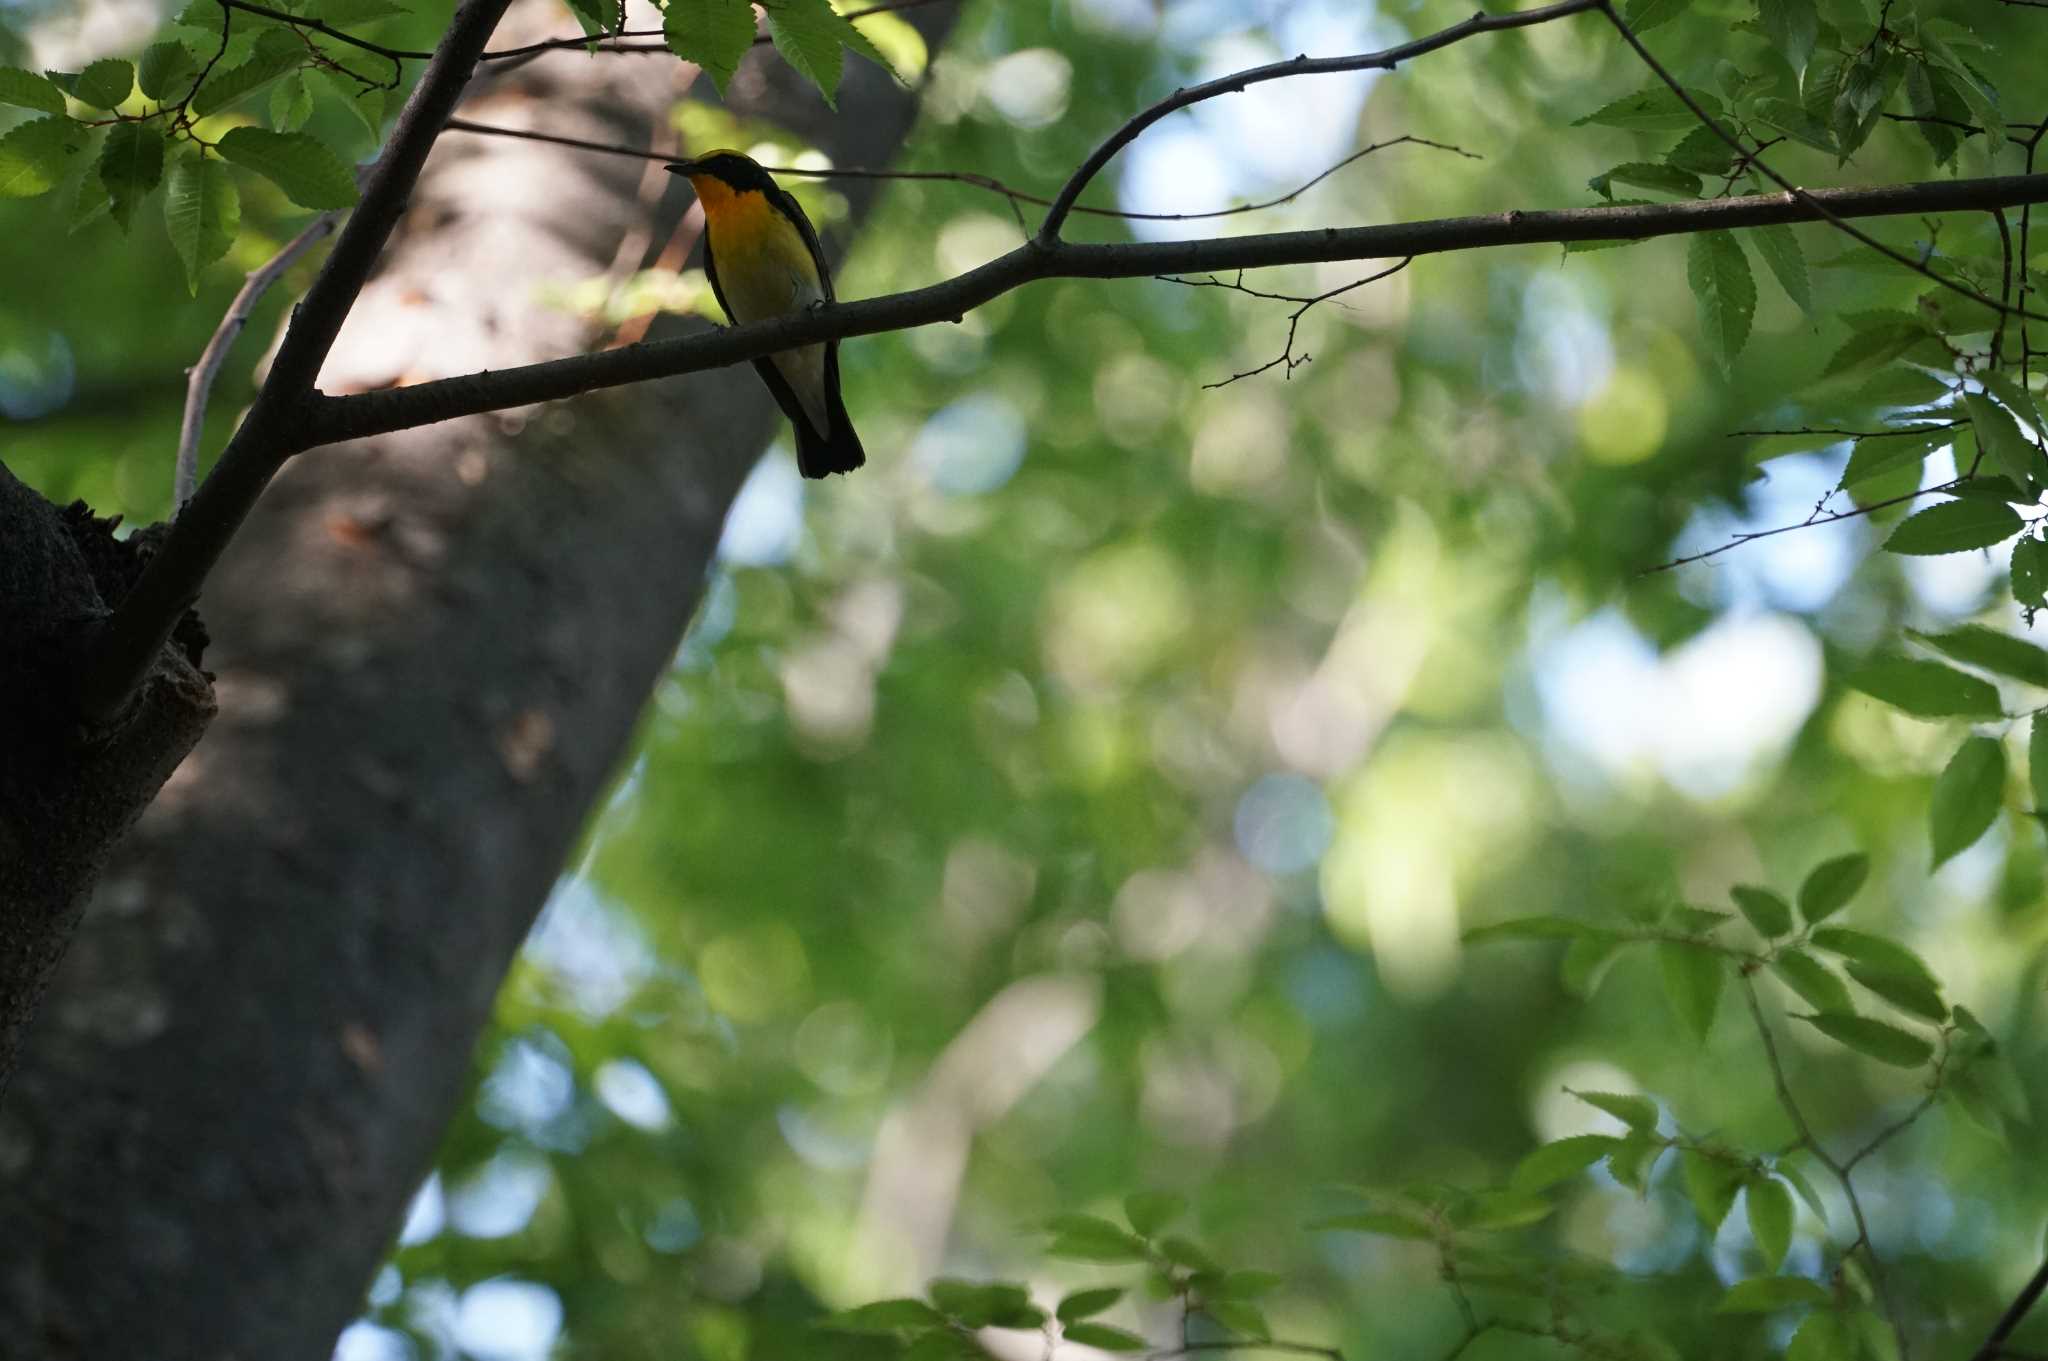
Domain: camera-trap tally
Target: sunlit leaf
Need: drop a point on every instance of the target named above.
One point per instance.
(1925, 689)
(1655, 109)
(26, 90)
(35, 155)
(1967, 797)
(1637, 1112)
(1955, 527)
(714, 34)
(1770, 914)
(1876, 1039)
(1769, 1208)
(1556, 1162)
(1815, 983)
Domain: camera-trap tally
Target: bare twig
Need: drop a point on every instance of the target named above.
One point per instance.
(967, 177)
(397, 56)
(1286, 355)
(1809, 522)
(200, 377)
(594, 41)
(1238, 82)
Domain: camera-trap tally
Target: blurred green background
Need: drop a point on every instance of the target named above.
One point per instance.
(1090, 794)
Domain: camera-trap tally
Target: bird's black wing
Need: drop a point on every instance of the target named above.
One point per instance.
(795, 213)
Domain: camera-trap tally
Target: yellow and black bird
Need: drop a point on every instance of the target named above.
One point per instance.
(763, 258)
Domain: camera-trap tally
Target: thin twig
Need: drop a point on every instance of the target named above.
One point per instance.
(587, 41)
(397, 56)
(2015, 1313)
(1237, 82)
(1286, 355)
(1809, 522)
(967, 177)
(199, 378)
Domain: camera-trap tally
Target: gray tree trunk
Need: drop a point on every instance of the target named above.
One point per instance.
(431, 651)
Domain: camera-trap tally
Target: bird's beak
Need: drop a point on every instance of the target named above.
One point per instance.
(683, 168)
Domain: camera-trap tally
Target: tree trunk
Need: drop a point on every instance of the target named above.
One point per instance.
(431, 650)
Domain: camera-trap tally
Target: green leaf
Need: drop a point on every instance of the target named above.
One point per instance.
(310, 175)
(1983, 108)
(1994, 651)
(1556, 1162)
(1876, 343)
(1637, 1112)
(26, 90)
(1644, 15)
(2014, 398)
(1875, 1039)
(1766, 1294)
(1536, 928)
(1779, 246)
(1797, 1180)
(1770, 914)
(291, 102)
(1701, 152)
(1721, 283)
(1822, 1336)
(1711, 1184)
(131, 164)
(164, 70)
(2030, 573)
(104, 84)
(1815, 983)
(365, 106)
(1089, 1239)
(1107, 1338)
(2000, 438)
(1907, 992)
(714, 34)
(1386, 1223)
(1151, 1211)
(276, 52)
(985, 1304)
(1085, 1303)
(1793, 26)
(1876, 951)
(1932, 96)
(943, 1344)
(201, 210)
(90, 203)
(1585, 962)
(1491, 1210)
(1693, 978)
(1832, 883)
(1769, 1206)
(1656, 109)
(1186, 1252)
(35, 155)
(1795, 122)
(349, 13)
(883, 1316)
(1877, 455)
(1957, 526)
(812, 37)
(1246, 1285)
(1239, 1316)
(1648, 175)
(2037, 760)
(1630, 1164)
(1695, 921)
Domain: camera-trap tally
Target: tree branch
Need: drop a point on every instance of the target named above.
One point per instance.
(373, 413)
(1239, 81)
(2015, 1313)
(123, 648)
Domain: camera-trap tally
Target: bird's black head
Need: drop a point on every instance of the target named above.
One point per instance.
(738, 172)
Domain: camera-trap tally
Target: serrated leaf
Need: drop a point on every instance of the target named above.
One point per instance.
(1721, 283)
(1876, 455)
(1832, 883)
(1983, 108)
(1793, 26)
(1089, 1239)
(1486, 1211)
(883, 1316)
(1903, 385)
(1994, 651)
(813, 38)
(291, 102)
(201, 210)
(1085, 1303)
(1693, 979)
(27, 90)
(1702, 152)
(276, 52)
(105, 84)
(1779, 246)
(1151, 1211)
(1107, 1338)
(349, 13)
(1630, 1163)
(1958, 526)
(1766, 1294)
(1934, 101)
(366, 106)
(90, 203)
(1815, 983)
(1769, 1209)
(1876, 951)
(714, 34)
(1695, 921)
(1874, 1039)
(165, 70)
(2030, 573)
(1770, 914)
(35, 155)
(1873, 345)
(1647, 175)
(1711, 1184)
(1386, 1223)
(1795, 122)
(1559, 1161)
(1637, 1112)
(131, 164)
(1999, 437)
(2014, 398)
(1656, 109)
(310, 175)
(1644, 15)
(1904, 991)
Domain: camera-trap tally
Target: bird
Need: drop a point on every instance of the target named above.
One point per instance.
(763, 259)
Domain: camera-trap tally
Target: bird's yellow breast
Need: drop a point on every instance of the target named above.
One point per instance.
(764, 264)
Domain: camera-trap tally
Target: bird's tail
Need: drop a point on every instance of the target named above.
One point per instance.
(837, 451)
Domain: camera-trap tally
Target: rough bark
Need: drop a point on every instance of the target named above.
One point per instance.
(431, 650)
